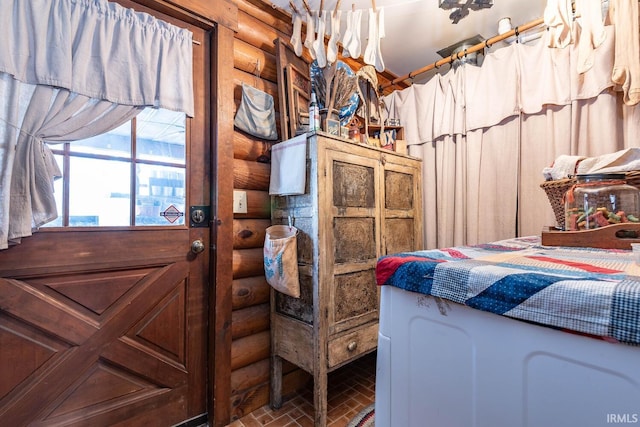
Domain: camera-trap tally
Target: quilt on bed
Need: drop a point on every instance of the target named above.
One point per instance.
(591, 291)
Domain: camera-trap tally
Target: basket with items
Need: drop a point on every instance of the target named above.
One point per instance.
(595, 198)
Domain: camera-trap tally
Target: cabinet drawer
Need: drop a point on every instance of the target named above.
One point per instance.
(352, 344)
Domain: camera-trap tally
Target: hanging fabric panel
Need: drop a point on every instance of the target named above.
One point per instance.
(72, 69)
(98, 49)
(27, 165)
(526, 105)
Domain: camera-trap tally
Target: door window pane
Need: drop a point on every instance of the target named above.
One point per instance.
(103, 191)
(160, 195)
(160, 136)
(99, 192)
(115, 143)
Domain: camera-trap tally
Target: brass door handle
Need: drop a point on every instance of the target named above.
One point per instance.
(197, 246)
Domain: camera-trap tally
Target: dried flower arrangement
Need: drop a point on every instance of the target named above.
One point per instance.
(334, 87)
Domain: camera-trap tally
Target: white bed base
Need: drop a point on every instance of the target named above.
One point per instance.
(442, 364)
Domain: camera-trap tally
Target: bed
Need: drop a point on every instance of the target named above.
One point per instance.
(509, 334)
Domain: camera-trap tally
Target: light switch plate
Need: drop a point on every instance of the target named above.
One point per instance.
(239, 201)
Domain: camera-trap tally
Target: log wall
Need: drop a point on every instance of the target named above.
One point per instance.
(255, 64)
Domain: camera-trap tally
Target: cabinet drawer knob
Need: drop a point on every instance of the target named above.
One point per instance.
(352, 346)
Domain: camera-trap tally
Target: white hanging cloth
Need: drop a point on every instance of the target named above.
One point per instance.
(626, 68)
(29, 116)
(70, 70)
(351, 46)
(311, 33)
(332, 48)
(348, 33)
(98, 49)
(288, 166)
(318, 44)
(592, 34)
(373, 54)
(296, 35)
(558, 17)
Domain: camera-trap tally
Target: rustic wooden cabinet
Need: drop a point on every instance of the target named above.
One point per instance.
(360, 203)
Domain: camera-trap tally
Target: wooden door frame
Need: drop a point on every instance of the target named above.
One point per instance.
(221, 263)
(220, 18)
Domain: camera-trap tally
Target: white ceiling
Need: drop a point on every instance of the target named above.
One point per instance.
(417, 29)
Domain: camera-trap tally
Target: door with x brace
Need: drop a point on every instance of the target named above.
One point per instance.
(107, 326)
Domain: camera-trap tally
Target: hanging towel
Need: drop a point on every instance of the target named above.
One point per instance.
(289, 167)
(347, 35)
(626, 67)
(318, 45)
(564, 166)
(332, 48)
(592, 32)
(296, 35)
(311, 33)
(372, 53)
(621, 161)
(351, 45)
(558, 17)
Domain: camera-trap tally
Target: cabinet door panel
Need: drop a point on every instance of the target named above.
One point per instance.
(355, 239)
(353, 186)
(399, 190)
(355, 294)
(399, 235)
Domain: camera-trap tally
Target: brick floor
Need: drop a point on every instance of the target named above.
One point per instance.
(351, 388)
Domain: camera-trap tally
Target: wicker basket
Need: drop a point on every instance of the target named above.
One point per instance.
(556, 190)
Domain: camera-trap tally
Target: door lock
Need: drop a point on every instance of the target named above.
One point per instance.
(200, 216)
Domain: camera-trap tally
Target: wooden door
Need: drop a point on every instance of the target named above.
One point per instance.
(107, 326)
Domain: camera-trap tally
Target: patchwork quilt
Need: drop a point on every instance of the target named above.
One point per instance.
(585, 290)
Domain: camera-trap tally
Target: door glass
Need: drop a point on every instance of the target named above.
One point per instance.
(160, 195)
(140, 164)
(115, 143)
(99, 192)
(161, 136)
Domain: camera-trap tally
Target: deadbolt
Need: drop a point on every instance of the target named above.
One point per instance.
(199, 215)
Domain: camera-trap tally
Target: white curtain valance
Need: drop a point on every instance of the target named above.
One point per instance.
(517, 79)
(98, 49)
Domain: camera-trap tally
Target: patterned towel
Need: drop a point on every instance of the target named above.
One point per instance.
(591, 291)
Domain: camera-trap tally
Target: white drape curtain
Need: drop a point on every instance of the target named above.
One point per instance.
(69, 70)
(47, 114)
(485, 134)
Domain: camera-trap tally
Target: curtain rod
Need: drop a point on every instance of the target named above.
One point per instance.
(487, 43)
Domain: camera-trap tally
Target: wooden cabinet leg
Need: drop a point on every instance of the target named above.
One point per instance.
(320, 399)
(276, 382)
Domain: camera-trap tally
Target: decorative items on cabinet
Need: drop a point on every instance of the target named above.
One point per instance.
(387, 137)
(360, 203)
(336, 86)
